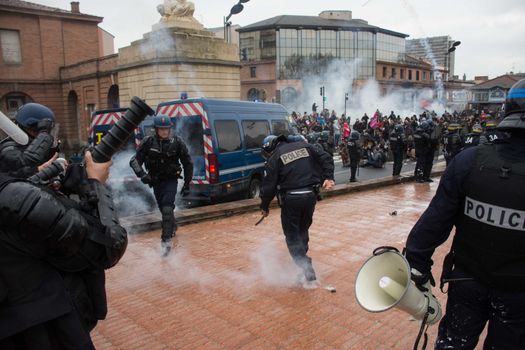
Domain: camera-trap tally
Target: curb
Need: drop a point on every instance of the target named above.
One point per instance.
(151, 221)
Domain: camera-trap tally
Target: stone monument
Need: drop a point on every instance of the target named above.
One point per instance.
(177, 56)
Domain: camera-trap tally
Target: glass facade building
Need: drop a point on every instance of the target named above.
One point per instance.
(302, 51)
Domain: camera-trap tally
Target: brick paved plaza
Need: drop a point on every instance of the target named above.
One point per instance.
(231, 285)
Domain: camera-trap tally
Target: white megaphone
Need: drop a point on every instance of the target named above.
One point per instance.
(383, 282)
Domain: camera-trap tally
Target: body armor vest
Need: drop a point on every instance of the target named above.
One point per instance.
(353, 149)
(162, 159)
(471, 140)
(490, 233)
(452, 142)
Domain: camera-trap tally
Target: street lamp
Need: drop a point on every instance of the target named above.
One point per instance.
(451, 49)
(236, 9)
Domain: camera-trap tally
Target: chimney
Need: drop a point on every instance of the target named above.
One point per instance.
(75, 7)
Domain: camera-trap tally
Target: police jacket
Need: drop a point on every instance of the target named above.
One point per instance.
(490, 225)
(292, 166)
(44, 237)
(22, 160)
(354, 150)
(421, 140)
(452, 143)
(397, 142)
(471, 140)
(162, 159)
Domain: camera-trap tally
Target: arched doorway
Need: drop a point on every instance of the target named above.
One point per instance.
(253, 94)
(113, 97)
(73, 112)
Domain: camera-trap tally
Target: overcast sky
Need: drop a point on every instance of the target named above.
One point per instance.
(492, 33)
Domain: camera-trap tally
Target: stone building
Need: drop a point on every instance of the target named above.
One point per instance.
(62, 59)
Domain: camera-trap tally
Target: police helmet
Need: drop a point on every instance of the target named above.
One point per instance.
(491, 124)
(30, 115)
(162, 121)
(424, 125)
(453, 127)
(268, 145)
(399, 129)
(355, 135)
(476, 128)
(514, 108)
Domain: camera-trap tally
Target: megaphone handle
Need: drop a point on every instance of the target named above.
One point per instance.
(423, 329)
(384, 249)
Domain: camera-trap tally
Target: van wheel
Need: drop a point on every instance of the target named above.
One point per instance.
(254, 190)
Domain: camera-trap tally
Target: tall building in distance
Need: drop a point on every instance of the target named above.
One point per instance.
(434, 48)
(280, 53)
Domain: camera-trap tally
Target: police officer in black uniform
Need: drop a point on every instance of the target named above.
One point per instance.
(423, 149)
(491, 133)
(162, 155)
(486, 265)
(473, 139)
(398, 146)
(452, 142)
(52, 260)
(295, 171)
(434, 132)
(25, 160)
(354, 153)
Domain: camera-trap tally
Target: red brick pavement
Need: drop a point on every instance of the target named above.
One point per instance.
(231, 285)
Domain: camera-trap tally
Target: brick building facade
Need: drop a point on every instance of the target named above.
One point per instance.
(55, 57)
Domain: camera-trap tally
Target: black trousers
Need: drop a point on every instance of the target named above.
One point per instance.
(354, 163)
(420, 164)
(470, 306)
(296, 218)
(165, 193)
(429, 162)
(398, 161)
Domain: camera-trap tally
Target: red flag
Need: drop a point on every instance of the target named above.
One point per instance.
(373, 122)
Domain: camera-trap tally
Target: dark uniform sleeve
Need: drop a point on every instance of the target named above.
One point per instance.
(325, 161)
(270, 181)
(22, 163)
(434, 226)
(186, 161)
(138, 159)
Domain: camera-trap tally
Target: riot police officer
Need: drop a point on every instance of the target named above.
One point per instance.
(354, 153)
(162, 155)
(485, 267)
(423, 149)
(52, 260)
(25, 160)
(491, 133)
(452, 142)
(434, 132)
(294, 172)
(472, 139)
(398, 147)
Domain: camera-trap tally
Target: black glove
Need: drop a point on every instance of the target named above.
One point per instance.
(185, 190)
(420, 279)
(146, 179)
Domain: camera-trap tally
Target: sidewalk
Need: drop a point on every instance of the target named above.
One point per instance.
(230, 285)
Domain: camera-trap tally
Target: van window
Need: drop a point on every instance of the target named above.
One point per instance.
(280, 127)
(254, 132)
(228, 135)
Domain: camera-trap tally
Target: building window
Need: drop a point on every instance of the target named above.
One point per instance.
(10, 43)
(393, 76)
(417, 75)
(384, 72)
(253, 72)
(424, 75)
(402, 73)
(410, 74)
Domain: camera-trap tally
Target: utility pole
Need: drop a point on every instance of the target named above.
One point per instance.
(346, 99)
(324, 98)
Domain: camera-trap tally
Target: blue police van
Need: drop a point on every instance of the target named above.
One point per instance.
(224, 140)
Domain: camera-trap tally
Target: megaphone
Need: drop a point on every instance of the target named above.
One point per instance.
(383, 282)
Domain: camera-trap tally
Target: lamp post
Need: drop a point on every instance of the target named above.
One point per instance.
(451, 49)
(236, 9)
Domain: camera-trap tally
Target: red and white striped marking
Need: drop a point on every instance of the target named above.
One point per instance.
(189, 110)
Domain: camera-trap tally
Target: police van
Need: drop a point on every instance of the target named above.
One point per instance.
(224, 141)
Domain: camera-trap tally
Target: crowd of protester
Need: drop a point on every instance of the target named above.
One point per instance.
(333, 131)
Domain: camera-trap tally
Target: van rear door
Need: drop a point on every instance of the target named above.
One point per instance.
(190, 122)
